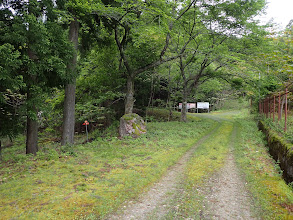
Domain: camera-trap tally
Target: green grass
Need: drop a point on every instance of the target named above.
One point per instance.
(278, 126)
(207, 159)
(272, 196)
(91, 180)
(273, 199)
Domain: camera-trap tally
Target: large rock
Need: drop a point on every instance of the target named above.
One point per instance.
(132, 125)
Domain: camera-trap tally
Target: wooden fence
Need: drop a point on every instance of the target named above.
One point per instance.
(275, 106)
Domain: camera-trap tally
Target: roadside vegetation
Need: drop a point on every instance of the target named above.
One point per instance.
(262, 173)
(90, 180)
(278, 127)
(273, 199)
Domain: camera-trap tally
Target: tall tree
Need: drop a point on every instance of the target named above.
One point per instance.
(142, 35)
(69, 101)
(82, 20)
(32, 28)
(209, 28)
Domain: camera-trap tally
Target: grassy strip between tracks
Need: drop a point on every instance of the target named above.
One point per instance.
(91, 180)
(273, 199)
(208, 158)
(272, 196)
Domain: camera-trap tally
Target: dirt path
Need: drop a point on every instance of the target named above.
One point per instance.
(225, 195)
(154, 203)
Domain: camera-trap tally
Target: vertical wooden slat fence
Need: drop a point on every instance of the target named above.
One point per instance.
(268, 106)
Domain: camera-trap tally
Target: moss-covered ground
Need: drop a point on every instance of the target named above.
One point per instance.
(88, 181)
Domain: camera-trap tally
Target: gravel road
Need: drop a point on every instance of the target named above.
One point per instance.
(225, 195)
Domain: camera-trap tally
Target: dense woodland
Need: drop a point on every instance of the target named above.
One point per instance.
(63, 62)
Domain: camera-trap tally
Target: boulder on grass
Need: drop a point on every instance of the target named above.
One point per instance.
(132, 125)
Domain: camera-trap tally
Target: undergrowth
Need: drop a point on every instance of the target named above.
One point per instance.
(279, 126)
(91, 180)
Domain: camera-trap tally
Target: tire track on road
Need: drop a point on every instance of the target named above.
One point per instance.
(154, 203)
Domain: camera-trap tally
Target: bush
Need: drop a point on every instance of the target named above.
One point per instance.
(156, 114)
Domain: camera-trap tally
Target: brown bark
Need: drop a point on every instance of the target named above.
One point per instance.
(129, 101)
(69, 101)
(184, 105)
(31, 123)
(31, 126)
(31, 136)
(69, 115)
(0, 150)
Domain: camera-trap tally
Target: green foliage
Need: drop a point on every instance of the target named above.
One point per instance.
(35, 52)
(10, 113)
(156, 114)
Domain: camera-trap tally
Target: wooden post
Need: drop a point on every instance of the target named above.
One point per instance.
(279, 107)
(270, 108)
(274, 108)
(285, 128)
(267, 108)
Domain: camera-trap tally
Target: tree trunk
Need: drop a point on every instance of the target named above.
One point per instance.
(184, 104)
(31, 136)
(151, 103)
(129, 101)
(0, 150)
(31, 125)
(69, 115)
(282, 106)
(69, 101)
(168, 104)
(31, 122)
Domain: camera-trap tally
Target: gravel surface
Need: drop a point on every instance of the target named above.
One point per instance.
(154, 203)
(225, 195)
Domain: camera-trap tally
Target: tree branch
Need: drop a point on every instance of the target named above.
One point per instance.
(120, 47)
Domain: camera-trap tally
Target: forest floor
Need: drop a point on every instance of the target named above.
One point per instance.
(221, 195)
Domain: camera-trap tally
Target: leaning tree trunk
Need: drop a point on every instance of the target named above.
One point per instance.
(129, 101)
(69, 101)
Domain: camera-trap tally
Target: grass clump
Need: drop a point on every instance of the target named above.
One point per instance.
(91, 180)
